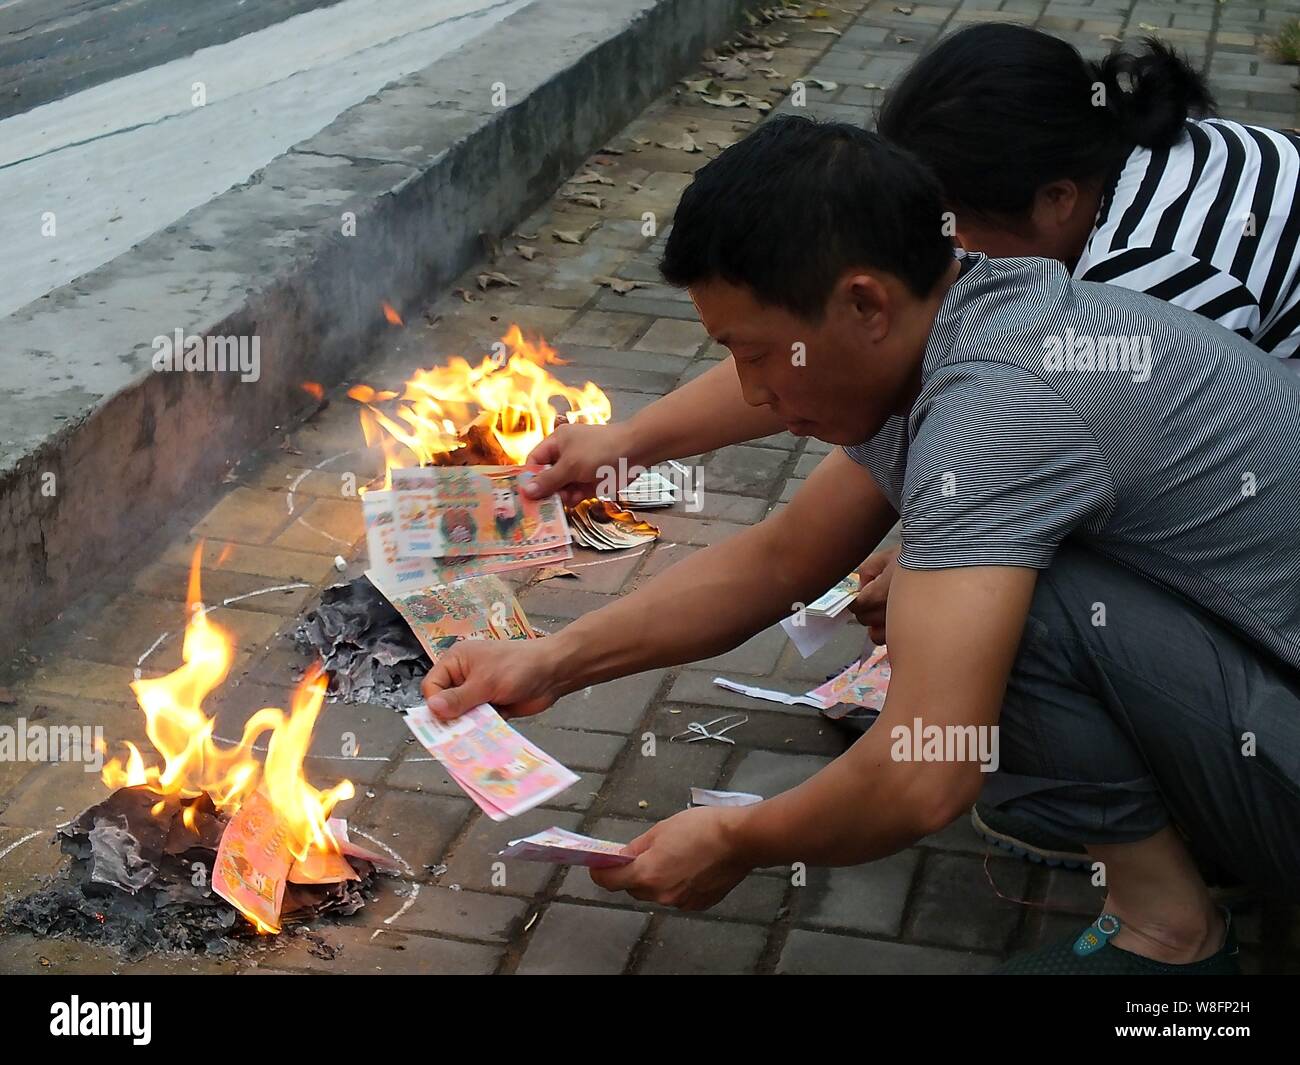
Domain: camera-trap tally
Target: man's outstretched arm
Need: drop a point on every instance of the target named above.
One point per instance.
(953, 638)
(704, 414)
(704, 605)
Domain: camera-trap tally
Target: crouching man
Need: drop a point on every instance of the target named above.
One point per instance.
(1100, 553)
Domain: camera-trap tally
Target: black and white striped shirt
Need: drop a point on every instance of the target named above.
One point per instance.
(1052, 408)
(1211, 224)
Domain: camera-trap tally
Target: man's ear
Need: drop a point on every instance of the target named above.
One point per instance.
(1054, 203)
(869, 300)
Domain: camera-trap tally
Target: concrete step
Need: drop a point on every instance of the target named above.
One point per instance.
(291, 268)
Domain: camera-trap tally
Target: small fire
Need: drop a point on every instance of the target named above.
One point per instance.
(393, 317)
(508, 396)
(194, 764)
(314, 389)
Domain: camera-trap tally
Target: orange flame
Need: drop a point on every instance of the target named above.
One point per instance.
(393, 317)
(313, 389)
(193, 763)
(510, 393)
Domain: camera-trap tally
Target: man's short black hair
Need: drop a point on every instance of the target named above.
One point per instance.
(796, 203)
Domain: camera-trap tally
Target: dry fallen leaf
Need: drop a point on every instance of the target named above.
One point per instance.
(729, 69)
(724, 99)
(635, 186)
(700, 85)
(493, 277)
(465, 294)
(526, 252)
(900, 39)
(590, 177)
(545, 573)
(685, 143)
(586, 199)
(640, 140)
(619, 285)
(769, 72)
(287, 446)
(1149, 27)
(825, 86)
(873, 85)
(526, 236)
(1110, 38)
(827, 29)
(904, 10)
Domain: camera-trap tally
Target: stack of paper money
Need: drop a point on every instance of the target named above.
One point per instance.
(600, 524)
(437, 539)
(831, 603)
(651, 489)
(812, 628)
(472, 512)
(501, 771)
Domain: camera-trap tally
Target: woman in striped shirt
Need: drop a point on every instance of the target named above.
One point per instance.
(1111, 168)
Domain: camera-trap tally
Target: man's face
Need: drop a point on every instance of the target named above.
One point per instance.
(837, 379)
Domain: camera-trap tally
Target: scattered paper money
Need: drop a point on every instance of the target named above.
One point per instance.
(864, 683)
(253, 862)
(562, 847)
(708, 797)
(651, 489)
(458, 511)
(766, 693)
(499, 769)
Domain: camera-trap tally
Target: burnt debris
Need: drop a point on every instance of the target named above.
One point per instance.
(369, 652)
(140, 880)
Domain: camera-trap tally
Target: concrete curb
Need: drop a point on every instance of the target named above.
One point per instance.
(97, 449)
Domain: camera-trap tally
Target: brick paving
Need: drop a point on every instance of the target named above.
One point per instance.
(946, 905)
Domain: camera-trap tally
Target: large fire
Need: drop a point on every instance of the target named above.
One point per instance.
(193, 764)
(507, 398)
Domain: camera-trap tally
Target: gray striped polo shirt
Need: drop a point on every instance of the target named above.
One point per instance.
(1053, 408)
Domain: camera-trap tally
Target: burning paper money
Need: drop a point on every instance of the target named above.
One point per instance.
(499, 769)
(253, 863)
(560, 847)
(600, 524)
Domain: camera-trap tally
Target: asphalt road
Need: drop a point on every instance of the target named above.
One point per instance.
(50, 49)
